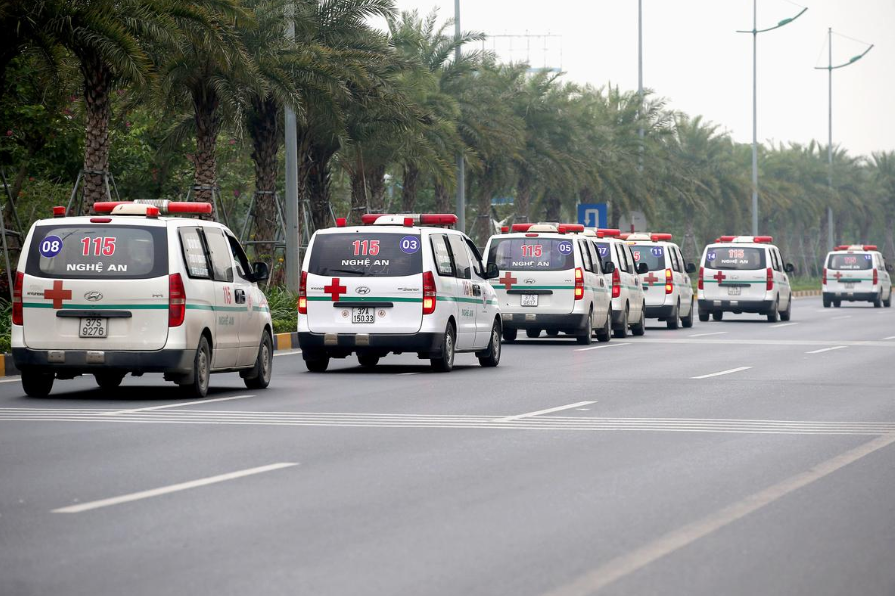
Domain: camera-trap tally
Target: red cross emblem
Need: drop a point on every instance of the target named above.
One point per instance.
(651, 278)
(507, 280)
(720, 276)
(57, 294)
(838, 275)
(335, 290)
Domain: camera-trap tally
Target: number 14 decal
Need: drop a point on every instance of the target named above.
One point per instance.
(102, 246)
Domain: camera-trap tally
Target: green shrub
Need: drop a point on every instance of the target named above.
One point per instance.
(283, 310)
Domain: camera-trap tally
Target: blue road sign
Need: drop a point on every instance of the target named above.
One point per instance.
(593, 215)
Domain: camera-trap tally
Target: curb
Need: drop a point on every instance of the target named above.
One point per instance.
(806, 293)
(281, 341)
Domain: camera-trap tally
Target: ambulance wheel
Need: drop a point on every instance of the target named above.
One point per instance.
(605, 334)
(704, 316)
(687, 321)
(445, 362)
(621, 332)
(787, 314)
(509, 335)
(201, 370)
(827, 302)
(37, 384)
(108, 381)
(837, 303)
(533, 333)
(717, 315)
(673, 320)
(552, 332)
(259, 375)
(878, 301)
(888, 301)
(639, 328)
(774, 313)
(368, 360)
(492, 356)
(585, 336)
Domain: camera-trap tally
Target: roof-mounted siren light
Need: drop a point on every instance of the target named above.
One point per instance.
(521, 227)
(504, 229)
(725, 239)
(763, 239)
(341, 222)
(608, 232)
(660, 237)
(842, 247)
(570, 228)
(438, 219)
(623, 235)
(871, 247)
(58, 211)
(368, 219)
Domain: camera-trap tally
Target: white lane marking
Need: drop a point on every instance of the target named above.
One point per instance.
(707, 334)
(173, 488)
(406, 374)
(723, 372)
(292, 353)
(600, 347)
(826, 350)
(842, 317)
(188, 403)
(547, 411)
(779, 325)
(16, 380)
(885, 338)
(604, 575)
(767, 342)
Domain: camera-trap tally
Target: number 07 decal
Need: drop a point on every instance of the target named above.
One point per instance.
(99, 246)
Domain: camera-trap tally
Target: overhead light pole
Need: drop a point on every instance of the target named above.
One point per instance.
(291, 224)
(640, 76)
(755, 31)
(830, 68)
(461, 164)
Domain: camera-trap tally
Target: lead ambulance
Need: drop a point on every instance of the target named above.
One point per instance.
(399, 283)
(744, 274)
(628, 300)
(129, 291)
(550, 280)
(857, 273)
(667, 286)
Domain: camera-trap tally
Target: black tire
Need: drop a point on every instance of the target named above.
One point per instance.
(687, 322)
(639, 328)
(888, 301)
(621, 332)
(605, 334)
(774, 314)
(552, 332)
(509, 335)
(673, 321)
(108, 380)
(492, 358)
(445, 362)
(317, 365)
(717, 315)
(827, 302)
(261, 373)
(704, 316)
(198, 386)
(837, 303)
(585, 336)
(37, 384)
(878, 301)
(368, 360)
(787, 314)
(533, 333)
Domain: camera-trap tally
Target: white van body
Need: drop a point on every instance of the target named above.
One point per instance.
(628, 298)
(365, 291)
(744, 274)
(856, 273)
(666, 285)
(118, 294)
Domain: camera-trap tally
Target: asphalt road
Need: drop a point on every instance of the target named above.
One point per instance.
(613, 469)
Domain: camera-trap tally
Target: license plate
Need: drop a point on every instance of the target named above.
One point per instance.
(94, 327)
(529, 299)
(363, 315)
(734, 291)
(849, 285)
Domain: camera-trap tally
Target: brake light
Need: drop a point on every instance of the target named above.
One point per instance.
(100, 220)
(17, 299)
(303, 294)
(176, 300)
(823, 279)
(429, 293)
(875, 276)
(669, 281)
(770, 284)
(579, 283)
(616, 283)
(699, 283)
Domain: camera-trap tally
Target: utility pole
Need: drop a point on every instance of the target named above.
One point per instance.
(461, 164)
(640, 76)
(293, 263)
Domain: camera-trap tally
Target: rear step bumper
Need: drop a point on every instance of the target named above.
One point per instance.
(340, 345)
(568, 322)
(659, 312)
(852, 297)
(93, 361)
(752, 306)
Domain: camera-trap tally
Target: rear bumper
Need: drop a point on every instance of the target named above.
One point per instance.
(340, 345)
(84, 361)
(852, 296)
(736, 306)
(566, 322)
(659, 312)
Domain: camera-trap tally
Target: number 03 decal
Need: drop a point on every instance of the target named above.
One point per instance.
(99, 246)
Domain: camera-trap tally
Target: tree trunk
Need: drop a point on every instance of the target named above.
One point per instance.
(317, 165)
(376, 187)
(523, 197)
(553, 207)
(411, 184)
(442, 199)
(97, 90)
(265, 131)
(208, 125)
(367, 190)
(483, 221)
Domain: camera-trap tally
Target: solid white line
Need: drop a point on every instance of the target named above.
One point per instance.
(890, 337)
(146, 494)
(617, 568)
(707, 334)
(827, 349)
(188, 403)
(842, 317)
(779, 325)
(600, 347)
(723, 372)
(547, 411)
(292, 353)
(16, 380)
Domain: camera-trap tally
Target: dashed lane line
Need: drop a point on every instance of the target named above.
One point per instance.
(822, 350)
(173, 488)
(707, 334)
(616, 345)
(842, 317)
(547, 411)
(890, 337)
(781, 325)
(768, 342)
(178, 405)
(723, 372)
(290, 353)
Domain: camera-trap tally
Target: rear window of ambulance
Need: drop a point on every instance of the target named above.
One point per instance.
(366, 255)
(855, 262)
(735, 258)
(651, 254)
(98, 252)
(532, 254)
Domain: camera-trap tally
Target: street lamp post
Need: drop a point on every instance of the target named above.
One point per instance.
(461, 164)
(640, 76)
(830, 68)
(755, 31)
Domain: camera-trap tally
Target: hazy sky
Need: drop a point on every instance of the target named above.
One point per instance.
(694, 57)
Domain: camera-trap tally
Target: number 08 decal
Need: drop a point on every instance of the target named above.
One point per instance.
(50, 247)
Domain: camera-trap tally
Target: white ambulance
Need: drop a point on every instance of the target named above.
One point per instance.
(551, 280)
(744, 274)
(399, 283)
(628, 299)
(857, 273)
(128, 291)
(667, 287)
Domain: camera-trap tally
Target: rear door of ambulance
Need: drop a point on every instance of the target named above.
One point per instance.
(537, 273)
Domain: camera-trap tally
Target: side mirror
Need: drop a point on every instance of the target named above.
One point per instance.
(642, 268)
(889, 267)
(690, 268)
(608, 267)
(492, 271)
(260, 271)
(789, 268)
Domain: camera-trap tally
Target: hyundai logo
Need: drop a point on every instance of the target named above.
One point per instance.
(93, 296)
(529, 281)
(362, 290)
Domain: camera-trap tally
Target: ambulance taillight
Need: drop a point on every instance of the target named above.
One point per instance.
(700, 284)
(770, 284)
(616, 283)
(303, 294)
(579, 283)
(823, 280)
(875, 276)
(669, 281)
(17, 299)
(429, 293)
(176, 300)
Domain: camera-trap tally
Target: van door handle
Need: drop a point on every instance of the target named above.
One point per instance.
(240, 296)
(476, 290)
